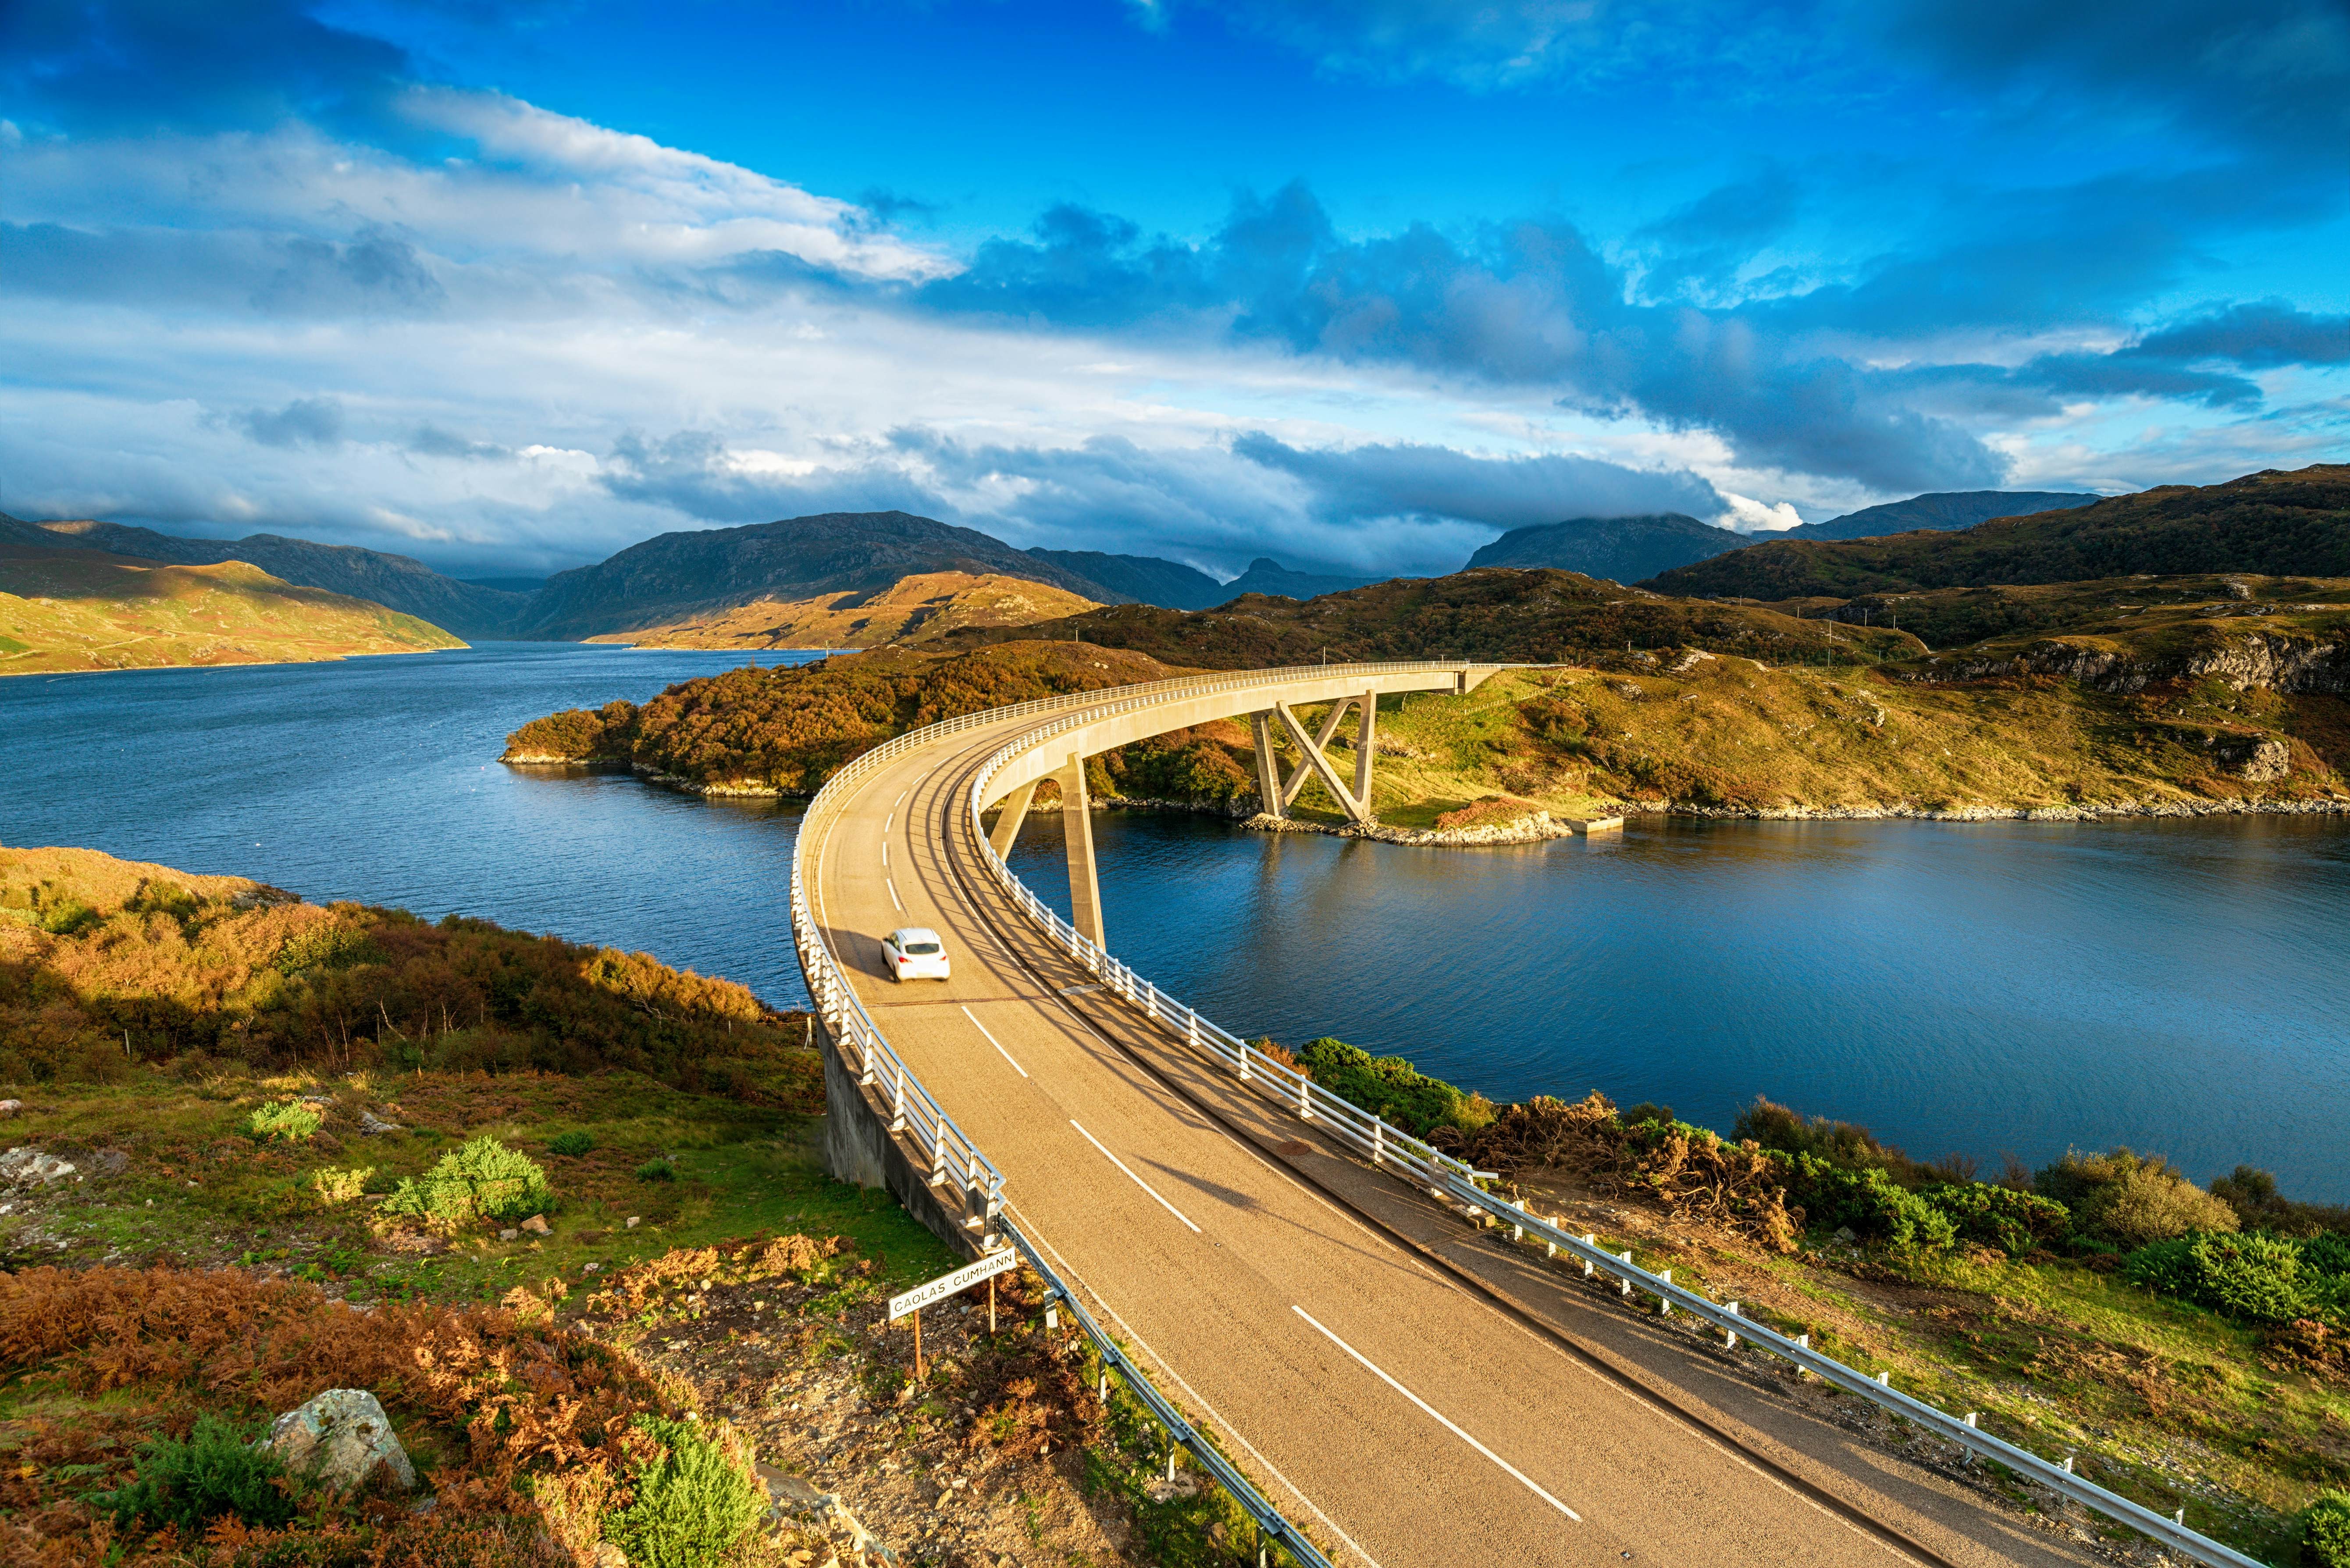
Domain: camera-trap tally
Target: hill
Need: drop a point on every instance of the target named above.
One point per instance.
(1620, 549)
(1267, 576)
(1537, 617)
(63, 608)
(675, 576)
(2272, 523)
(1943, 510)
(1144, 579)
(915, 609)
(758, 731)
(396, 582)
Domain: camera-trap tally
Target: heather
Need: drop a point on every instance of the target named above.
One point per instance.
(106, 964)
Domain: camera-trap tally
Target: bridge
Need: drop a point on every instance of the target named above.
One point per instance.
(1398, 1362)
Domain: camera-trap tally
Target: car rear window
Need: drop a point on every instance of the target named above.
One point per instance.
(921, 950)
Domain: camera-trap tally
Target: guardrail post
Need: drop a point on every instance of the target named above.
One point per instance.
(898, 1102)
(939, 1152)
(1664, 1304)
(1379, 1141)
(1304, 1097)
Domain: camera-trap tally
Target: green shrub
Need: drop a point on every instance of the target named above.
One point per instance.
(2015, 1222)
(1847, 1145)
(571, 1144)
(2249, 1276)
(2131, 1200)
(657, 1169)
(1391, 1088)
(1873, 1206)
(1647, 1111)
(693, 1505)
(214, 1471)
(483, 1180)
(289, 1120)
(2327, 1253)
(2325, 1531)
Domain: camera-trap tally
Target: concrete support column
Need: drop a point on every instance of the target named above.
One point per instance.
(1269, 793)
(1077, 836)
(1356, 810)
(1330, 722)
(1007, 825)
(1370, 702)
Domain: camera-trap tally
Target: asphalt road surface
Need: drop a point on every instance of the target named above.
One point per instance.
(1410, 1391)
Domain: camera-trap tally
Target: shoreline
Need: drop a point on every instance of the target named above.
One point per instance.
(1538, 826)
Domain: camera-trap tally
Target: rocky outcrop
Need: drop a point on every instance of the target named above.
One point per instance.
(2276, 661)
(1533, 828)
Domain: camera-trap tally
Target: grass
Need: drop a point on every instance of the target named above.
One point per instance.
(69, 609)
(1725, 735)
(194, 1188)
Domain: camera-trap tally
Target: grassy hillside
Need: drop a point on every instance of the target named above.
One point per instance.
(2273, 524)
(914, 610)
(1499, 614)
(104, 963)
(754, 731)
(63, 610)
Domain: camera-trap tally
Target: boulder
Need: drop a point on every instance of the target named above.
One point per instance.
(371, 1123)
(340, 1438)
(28, 1165)
(536, 1225)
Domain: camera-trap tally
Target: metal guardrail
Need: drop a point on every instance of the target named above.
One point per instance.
(952, 1156)
(1444, 1177)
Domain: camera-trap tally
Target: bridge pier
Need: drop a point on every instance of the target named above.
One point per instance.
(1269, 793)
(1077, 837)
(1357, 807)
(1008, 824)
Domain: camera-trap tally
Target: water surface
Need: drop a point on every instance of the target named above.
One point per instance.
(1978, 988)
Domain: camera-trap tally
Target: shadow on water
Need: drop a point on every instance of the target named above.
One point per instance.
(1981, 988)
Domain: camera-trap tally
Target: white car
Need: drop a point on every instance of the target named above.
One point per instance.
(914, 953)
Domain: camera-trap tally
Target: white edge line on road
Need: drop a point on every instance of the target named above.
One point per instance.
(885, 825)
(893, 894)
(1131, 1177)
(1431, 1410)
(1036, 1234)
(992, 1040)
(885, 854)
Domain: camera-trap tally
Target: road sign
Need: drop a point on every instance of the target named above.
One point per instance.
(945, 1285)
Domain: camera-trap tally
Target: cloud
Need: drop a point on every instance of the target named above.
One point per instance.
(431, 441)
(305, 421)
(698, 473)
(2259, 336)
(1412, 480)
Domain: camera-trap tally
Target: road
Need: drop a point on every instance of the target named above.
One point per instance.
(1408, 1390)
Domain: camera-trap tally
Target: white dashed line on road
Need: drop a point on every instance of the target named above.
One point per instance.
(884, 852)
(1136, 1179)
(1431, 1410)
(992, 1040)
(893, 895)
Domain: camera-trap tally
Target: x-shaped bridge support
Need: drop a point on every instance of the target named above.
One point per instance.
(1278, 793)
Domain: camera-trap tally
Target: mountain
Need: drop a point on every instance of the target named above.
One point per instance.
(1540, 615)
(1621, 549)
(64, 607)
(916, 609)
(2273, 523)
(1942, 509)
(396, 582)
(1266, 575)
(674, 576)
(1142, 579)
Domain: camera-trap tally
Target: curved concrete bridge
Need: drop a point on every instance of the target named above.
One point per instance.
(1409, 1389)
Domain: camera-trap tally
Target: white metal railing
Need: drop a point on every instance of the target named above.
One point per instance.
(950, 1156)
(1444, 1177)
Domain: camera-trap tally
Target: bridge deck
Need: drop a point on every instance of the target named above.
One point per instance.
(1281, 1291)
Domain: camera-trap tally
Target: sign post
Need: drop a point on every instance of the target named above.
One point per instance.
(945, 1285)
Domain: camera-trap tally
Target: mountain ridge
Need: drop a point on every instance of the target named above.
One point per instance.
(1943, 510)
(1618, 549)
(398, 583)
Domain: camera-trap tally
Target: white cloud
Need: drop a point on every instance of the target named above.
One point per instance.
(1751, 517)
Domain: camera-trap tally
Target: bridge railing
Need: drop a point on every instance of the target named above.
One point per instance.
(951, 1157)
(1447, 1178)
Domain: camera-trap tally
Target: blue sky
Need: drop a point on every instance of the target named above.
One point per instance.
(507, 288)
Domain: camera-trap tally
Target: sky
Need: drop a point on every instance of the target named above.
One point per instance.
(508, 287)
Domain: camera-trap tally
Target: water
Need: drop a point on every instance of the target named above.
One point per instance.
(1980, 989)
(377, 780)
(1971, 988)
